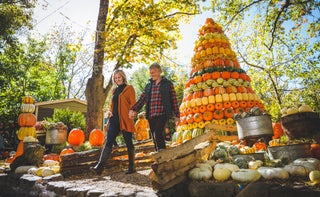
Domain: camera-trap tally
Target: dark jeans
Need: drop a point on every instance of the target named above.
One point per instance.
(157, 128)
(113, 132)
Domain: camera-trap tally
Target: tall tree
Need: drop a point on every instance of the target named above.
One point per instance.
(131, 31)
(278, 43)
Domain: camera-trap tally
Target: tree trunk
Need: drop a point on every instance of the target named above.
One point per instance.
(95, 92)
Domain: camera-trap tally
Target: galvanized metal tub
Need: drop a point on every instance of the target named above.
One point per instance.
(56, 136)
(254, 126)
(291, 152)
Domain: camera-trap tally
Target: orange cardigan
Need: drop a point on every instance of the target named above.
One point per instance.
(126, 100)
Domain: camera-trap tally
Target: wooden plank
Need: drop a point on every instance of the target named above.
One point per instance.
(216, 127)
(162, 187)
(187, 147)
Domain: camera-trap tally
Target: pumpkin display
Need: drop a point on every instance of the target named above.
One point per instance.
(217, 86)
(76, 137)
(96, 137)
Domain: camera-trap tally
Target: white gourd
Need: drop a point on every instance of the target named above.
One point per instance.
(47, 172)
(200, 174)
(273, 173)
(296, 170)
(229, 166)
(23, 169)
(310, 163)
(245, 175)
(255, 164)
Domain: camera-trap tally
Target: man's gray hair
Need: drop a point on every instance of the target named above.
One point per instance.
(155, 65)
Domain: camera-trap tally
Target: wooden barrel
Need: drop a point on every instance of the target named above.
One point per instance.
(299, 125)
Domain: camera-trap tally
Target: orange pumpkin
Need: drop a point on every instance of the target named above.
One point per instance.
(243, 76)
(241, 89)
(19, 149)
(250, 104)
(202, 108)
(96, 137)
(219, 90)
(210, 107)
(28, 100)
(197, 94)
(215, 75)
(206, 76)
(277, 130)
(208, 92)
(66, 151)
(243, 104)
(234, 104)
(234, 75)
(259, 145)
(76, 137)
(197, 79)
(226, 104)
(218, 105)
(190, 118)
(228, 113)
(218, 114)
(239, 110)
(197, 117)
(27, 120)
(51, 156)
(225, 74)
(231, 89)
(207, 115)
(195, 109)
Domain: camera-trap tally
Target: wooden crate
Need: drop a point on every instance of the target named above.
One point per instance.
(171, 165)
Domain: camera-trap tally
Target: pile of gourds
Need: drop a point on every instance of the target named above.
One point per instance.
(217, 87)
(219, 169)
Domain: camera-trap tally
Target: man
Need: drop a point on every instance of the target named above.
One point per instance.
(161, 103)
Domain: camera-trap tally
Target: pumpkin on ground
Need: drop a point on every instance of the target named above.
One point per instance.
(76, 137)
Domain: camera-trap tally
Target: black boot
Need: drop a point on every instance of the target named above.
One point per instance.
(104, 156)
(132, 167)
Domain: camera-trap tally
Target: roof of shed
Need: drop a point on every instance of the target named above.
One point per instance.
(72, 104)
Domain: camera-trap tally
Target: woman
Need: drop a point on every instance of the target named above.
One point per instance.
(123, 97)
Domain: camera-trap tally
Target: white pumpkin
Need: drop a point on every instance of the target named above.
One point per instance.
(255, 164)
(221, 174)
(40, 170)
(47, 172)
(314, 176)
(200, 174)
(23, 169)
(305, 108)
(310, 163)
(229, 166)
(292, 110)
(50, 163)
(211, 162)
(33, 170)
(27, 108)
(273, 173)
(296, 170)
(204, 165)
(245, 175)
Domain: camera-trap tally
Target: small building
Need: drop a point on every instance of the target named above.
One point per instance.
(46, 109)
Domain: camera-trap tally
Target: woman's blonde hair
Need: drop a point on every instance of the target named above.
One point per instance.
(123, 75)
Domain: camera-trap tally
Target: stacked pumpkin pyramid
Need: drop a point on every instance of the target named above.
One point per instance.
(217, 88)
(26, 121)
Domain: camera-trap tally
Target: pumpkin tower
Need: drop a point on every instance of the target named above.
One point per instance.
(217, 88)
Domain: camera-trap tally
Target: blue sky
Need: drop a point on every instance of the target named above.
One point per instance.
(82, 14)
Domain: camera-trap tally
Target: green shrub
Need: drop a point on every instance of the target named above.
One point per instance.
(70, 118)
